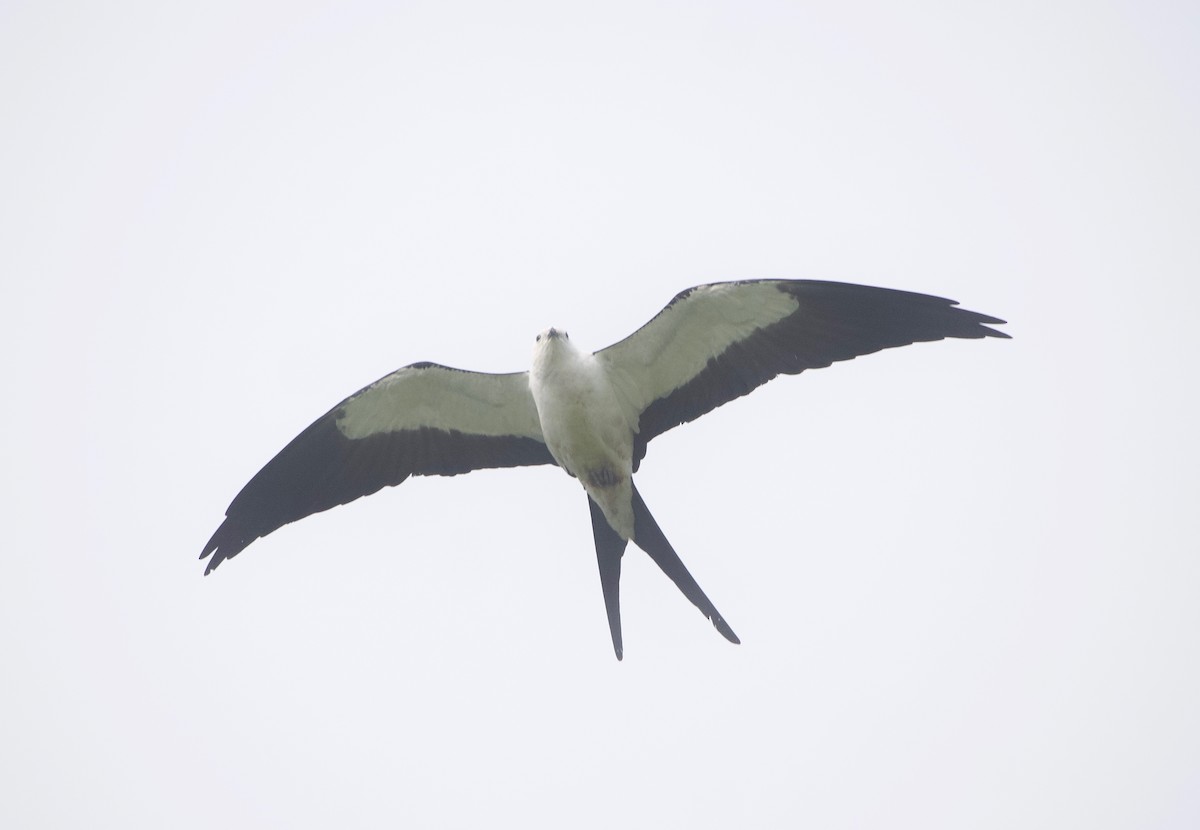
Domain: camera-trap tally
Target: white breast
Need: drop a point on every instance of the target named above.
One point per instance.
(585, 428)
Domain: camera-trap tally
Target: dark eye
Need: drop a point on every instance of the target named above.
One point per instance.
(538, 339)
(566, 336)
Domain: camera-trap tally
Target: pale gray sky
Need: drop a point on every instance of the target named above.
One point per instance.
(965, 574)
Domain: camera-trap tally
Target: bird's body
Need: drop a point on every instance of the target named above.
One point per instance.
(590, 413)
(584, 425)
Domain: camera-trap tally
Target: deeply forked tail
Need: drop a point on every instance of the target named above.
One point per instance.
(610, 547)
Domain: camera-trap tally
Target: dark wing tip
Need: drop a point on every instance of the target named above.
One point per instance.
(966, 325)
(719, 623)
(228, 541)
(214, 562)
(864, 319)
(963, 323)
(991, 321)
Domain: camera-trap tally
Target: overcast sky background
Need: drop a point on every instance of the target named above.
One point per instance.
(965, 574)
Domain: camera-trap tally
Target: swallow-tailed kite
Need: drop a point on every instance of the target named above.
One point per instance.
(590, 413)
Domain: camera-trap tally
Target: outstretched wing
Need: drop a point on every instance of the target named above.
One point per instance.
(717, 342)
(423, 419)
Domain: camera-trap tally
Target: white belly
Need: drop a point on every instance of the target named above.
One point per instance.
(586, 430)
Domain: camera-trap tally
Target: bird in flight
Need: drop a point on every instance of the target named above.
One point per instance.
(590, 413)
